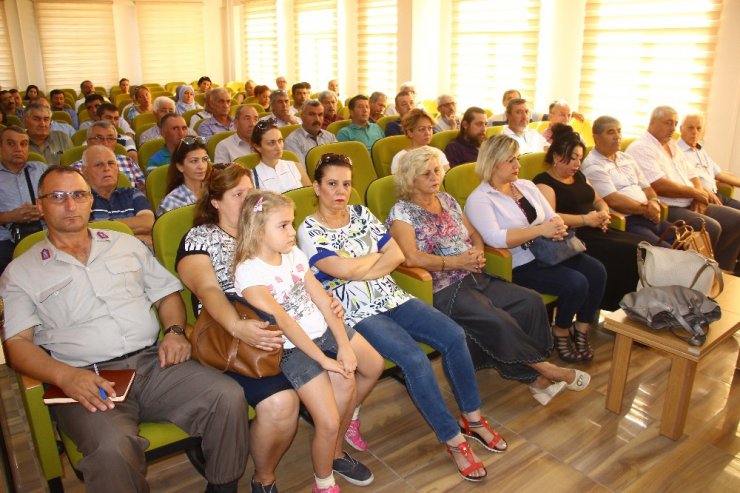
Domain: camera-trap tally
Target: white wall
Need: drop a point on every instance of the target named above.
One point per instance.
(423, 30)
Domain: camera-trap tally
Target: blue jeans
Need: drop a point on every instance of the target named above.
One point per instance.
(395, 333)
(642, 226)
(578, 283)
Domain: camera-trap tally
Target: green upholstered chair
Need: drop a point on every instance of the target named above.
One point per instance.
(35, 156)
(142, 119)
(385, 149)
(288, 129)
(493, 131)
(338, 125)
(147, 150)
(363, 172)
(156, 186)
(441, 139)
(214, 141)
(385, 120)
(164, 438)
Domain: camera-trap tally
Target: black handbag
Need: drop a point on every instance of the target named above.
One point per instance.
(673, 308)
(552, 252)
(18, 231)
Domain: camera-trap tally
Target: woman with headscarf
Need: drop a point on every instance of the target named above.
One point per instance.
(186, 100)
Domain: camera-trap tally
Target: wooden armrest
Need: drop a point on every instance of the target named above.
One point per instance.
(29, 382)
(415, 272)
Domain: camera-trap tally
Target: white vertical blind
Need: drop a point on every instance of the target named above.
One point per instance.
(639, 54)
(377, 50)
(260, 50)
(171, 40)
(77, 42)
(7, 70)
(494, 48)
(315, 28)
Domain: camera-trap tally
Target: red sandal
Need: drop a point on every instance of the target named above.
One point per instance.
(467, 430)
(464, 450)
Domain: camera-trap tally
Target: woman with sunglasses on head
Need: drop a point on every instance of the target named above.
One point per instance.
(272, 172)
(510, 212)
(351, 252)
(204, 263)
(582, 209)
(187, 169)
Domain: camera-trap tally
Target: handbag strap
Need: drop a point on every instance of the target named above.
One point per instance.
(641, 254)
(30, 186)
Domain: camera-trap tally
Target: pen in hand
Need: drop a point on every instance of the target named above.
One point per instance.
(102, 392)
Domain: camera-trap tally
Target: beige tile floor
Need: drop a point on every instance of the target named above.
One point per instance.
(572, 445)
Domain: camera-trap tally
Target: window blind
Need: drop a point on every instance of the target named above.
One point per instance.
(171, 40)
(315, 27)
(7, 70)
(639, 54)
(260, 38)
(77, 42)
(494, 48)
(377, 50)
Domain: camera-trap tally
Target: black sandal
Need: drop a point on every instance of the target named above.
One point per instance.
(582, 345)
(566, 351)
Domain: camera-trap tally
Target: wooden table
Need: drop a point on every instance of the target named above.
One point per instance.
(684, 358)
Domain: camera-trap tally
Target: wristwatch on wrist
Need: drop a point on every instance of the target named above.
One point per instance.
(175, 329)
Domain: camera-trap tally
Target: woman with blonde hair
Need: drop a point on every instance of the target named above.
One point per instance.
(418, 125)
(510, 212)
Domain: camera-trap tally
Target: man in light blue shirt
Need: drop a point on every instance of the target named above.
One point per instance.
(360, 129)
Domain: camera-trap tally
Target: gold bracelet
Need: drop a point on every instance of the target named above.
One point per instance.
(443, 263)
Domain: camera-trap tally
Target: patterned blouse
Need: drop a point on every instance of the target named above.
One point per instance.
(179, 197)
(363, 235)
(444, 234)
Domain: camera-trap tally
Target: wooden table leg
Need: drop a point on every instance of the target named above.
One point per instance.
(677, 397)
(618, 374)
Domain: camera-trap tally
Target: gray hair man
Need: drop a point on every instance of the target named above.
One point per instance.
(238, 144)
(310, 135)
(677, 184)
(448, 119)
(161, 106)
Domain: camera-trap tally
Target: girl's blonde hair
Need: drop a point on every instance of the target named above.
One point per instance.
(411, 165)
(493, 152)
(252, 219)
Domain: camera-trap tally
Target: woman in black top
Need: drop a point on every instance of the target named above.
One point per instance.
(573, 198)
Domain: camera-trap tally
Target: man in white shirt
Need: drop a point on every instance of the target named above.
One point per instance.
(300, 94)
(240, 143)
(675, 181)
(448, 119)
(517, 117)
(162, 105)
(708, 171)
(621, 183)
(310, 135)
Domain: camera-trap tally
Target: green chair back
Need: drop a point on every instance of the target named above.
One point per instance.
(141, 129)
(169, 229)
(156, 185)
(460, 182)
(123, 181)
(626, 143)
(532, 165)
(381, 197)
(147, 150)
(338, 125)
(288, 129)
(494, 131)
(79, 137)
(142, 119)
(306, 202)
(363, 172)
(215, 139)
(189, 114)
(441, 139)
(385, 149)
(385, 120)
(62, 116)
(35, 156)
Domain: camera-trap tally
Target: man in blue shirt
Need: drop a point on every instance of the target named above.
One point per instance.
(127, 205)
(173, 129)
(360, 129)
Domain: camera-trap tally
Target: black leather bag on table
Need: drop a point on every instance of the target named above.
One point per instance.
(673, 308)
(552, 252)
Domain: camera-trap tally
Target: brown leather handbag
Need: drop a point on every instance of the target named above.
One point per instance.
(214, 346)
(687, 238)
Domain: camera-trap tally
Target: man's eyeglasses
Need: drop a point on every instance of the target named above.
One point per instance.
(100, 138)
(190, 140)
(78, 196)
(332, 158)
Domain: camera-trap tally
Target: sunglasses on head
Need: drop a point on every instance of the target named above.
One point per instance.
(333, 158)
(267, 124)
(190, 140)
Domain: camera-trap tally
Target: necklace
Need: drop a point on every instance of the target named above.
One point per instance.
(342, 221)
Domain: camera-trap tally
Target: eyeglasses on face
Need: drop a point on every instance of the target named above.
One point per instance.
(101, 138)
(333, 158)
(59, 197)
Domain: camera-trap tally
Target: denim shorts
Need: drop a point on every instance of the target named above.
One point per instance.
(300, 369)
